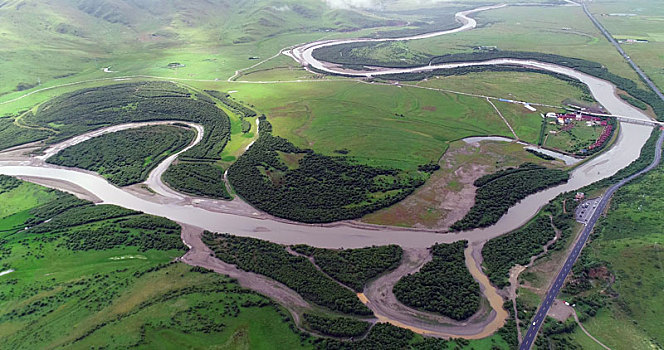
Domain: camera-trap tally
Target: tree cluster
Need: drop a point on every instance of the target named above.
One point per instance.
(296, 272)
(8, 183)
(200, 179)
(320, 188)
(343, 327)
(13, 135)
(125, 157)
(84, 226)
(499, 191)
(226, 99)
(354, 267)
(516, 247)
(385, 336)
(442, 285)
(540, 154)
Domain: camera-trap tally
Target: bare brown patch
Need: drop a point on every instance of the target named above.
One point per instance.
(449, 194)
(429, 108)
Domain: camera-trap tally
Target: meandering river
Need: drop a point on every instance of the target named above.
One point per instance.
(185, 209)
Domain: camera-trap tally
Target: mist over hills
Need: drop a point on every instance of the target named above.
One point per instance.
(77, 35)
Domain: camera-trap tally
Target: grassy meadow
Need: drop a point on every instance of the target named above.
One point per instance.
(629, 243)
(62, 294)
(639, 20)
(117, 295)
(380, 125)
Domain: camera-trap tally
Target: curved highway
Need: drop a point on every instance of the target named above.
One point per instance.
(557, 284)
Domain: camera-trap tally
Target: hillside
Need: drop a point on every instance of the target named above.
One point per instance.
(81, 37)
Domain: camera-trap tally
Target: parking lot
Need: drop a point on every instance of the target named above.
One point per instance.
(586, 209)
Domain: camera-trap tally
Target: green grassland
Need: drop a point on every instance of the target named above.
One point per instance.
(564, 31)
(65, 294)
(629, 243)
(379, 124)
(126, 157)
(644, 22)
(67, 40)
(522, 86)
(24, 197)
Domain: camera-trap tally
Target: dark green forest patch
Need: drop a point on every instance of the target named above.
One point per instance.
(318, 188)
(344, 327)
(516, 247)
(499, 191)
(13, 135)
(126, 157)
(88, 109)
(200, 179)
(442, 285)
(80, 226)
(354, 267)
(296, 272)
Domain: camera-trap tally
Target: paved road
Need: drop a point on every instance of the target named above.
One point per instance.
(622, 52)
(557, 284)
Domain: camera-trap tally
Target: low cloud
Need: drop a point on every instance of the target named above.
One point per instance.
(377, 4)
(347, 4)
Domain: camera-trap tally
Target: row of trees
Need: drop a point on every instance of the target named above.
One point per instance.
(242, 110)
(320, 188)
(354, 267)
(80, 215)
(296, 272)
(442, 285)
(344, 327)
(501, 190)
(540, 154)
(50, 209)
(634, 102)
(387, 337)
(585, 66)
(125, 157)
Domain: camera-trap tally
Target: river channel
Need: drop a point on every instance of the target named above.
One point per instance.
(184, 209)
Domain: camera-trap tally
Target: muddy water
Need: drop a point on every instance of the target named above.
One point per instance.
(348, 235)
(626, 149)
